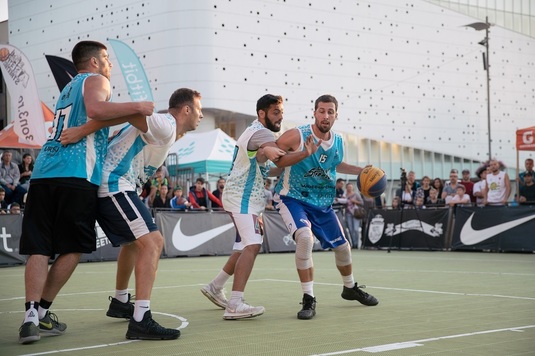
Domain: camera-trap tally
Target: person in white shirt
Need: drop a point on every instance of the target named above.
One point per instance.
(498, 185)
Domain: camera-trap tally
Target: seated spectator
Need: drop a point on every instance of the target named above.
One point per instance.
(450, 189)
(340, 198)
(199, 196)
(3, 203)
(25, 169)
(14, 208)
(157, 181)
(423, 190)
(433, 201)
(419, 203)
(161, 200)
(407, 196)
(460, 197)
(396, 203)
(218, 193)
(527, 191)
(9, 179)
(178, 202)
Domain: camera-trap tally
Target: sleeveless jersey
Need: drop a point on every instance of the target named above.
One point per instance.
(244, 190)
(496, 187)
(134, 155)
(83, 159)
(313, 179)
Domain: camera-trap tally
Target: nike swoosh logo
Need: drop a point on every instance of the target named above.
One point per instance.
(184, 242)
(469, 236)
(46, 325)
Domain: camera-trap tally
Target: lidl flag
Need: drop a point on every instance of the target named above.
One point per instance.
(28, 120)
(133, 72)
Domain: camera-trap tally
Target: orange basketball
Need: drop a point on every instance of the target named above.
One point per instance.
(372, 182)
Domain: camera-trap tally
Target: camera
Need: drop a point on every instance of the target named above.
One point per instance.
(403, 177)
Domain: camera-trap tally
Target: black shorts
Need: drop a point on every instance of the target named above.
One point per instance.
(59, 217)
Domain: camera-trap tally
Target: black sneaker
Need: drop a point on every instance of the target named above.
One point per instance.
(309, 308)
(149, 329)
(119, 309)
(28, 333)
(50, 325)
(356, 293)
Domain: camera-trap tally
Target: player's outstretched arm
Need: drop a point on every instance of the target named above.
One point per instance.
(349, 168)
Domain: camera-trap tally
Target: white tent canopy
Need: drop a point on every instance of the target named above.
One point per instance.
(205, 152)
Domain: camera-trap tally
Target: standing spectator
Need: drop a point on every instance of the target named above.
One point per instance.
(218, 193)
(438, 184)
(498, 185)
(161, 200)
(423, 190)
(199, 196)
(14, 208)
(411, 179)
(460, 197)
(339, 199)
(407, 195)
(25, 169)
(450, 189)
(528, 164)
(527, 190)
(433, 199)
(481, 185)
(59, 215)
(178, 202)
(354, 202)
(468, 185)
(10, 179)
(159, 179)
(305, 204)
(396, 203)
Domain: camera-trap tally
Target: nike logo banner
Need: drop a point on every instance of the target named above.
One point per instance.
(195, 234)
(494, 228)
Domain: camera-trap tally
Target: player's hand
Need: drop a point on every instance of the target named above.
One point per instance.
(310, 146)
(273, 153)
(71, 135)
(145, 108)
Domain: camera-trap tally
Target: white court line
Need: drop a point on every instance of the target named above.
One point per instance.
(409, 344)
(184, 324)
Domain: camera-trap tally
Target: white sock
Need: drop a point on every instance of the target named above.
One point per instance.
(308, 288)
(349, 282)
(41, 312)
(121, 295)
(220, 280)
(140, 307)
(31, 315)
(235, 298)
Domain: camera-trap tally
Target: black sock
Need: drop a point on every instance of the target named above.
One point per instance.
(29, 305)
(45, 304)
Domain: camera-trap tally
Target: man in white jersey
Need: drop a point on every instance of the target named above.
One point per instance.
(59, 217)
(243, 199)
(135, 154)
(498, 185)
(305, 193)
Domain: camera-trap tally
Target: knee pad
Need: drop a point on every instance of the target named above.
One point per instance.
(304, 242)
(342, 255)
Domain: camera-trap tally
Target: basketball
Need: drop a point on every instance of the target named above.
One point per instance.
(372, 182)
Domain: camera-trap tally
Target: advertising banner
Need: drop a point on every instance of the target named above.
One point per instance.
(10, 230)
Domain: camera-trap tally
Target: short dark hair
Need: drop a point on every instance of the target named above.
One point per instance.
(326, 98)
(200, 179)
(266, 101)
(84, 50)
(183, 96)
(528, 174)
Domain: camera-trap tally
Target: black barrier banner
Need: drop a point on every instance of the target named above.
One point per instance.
(494, 228)
(276, 236)
(407, 229)
(10, 230)
(196, 233)
(105, 250)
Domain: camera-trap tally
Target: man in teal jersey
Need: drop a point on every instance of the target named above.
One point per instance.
(59, 217)
(305, 194)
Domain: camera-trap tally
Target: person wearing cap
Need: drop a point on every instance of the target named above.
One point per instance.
(178, 202)
(468, 184)
(527, 191)
(481, 185)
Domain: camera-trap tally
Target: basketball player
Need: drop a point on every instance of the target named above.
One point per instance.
(59, 217)
(127, 222)
(243, 199)
(305, 193)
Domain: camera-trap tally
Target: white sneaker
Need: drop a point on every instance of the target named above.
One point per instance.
(242, 311)
(216, 296)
